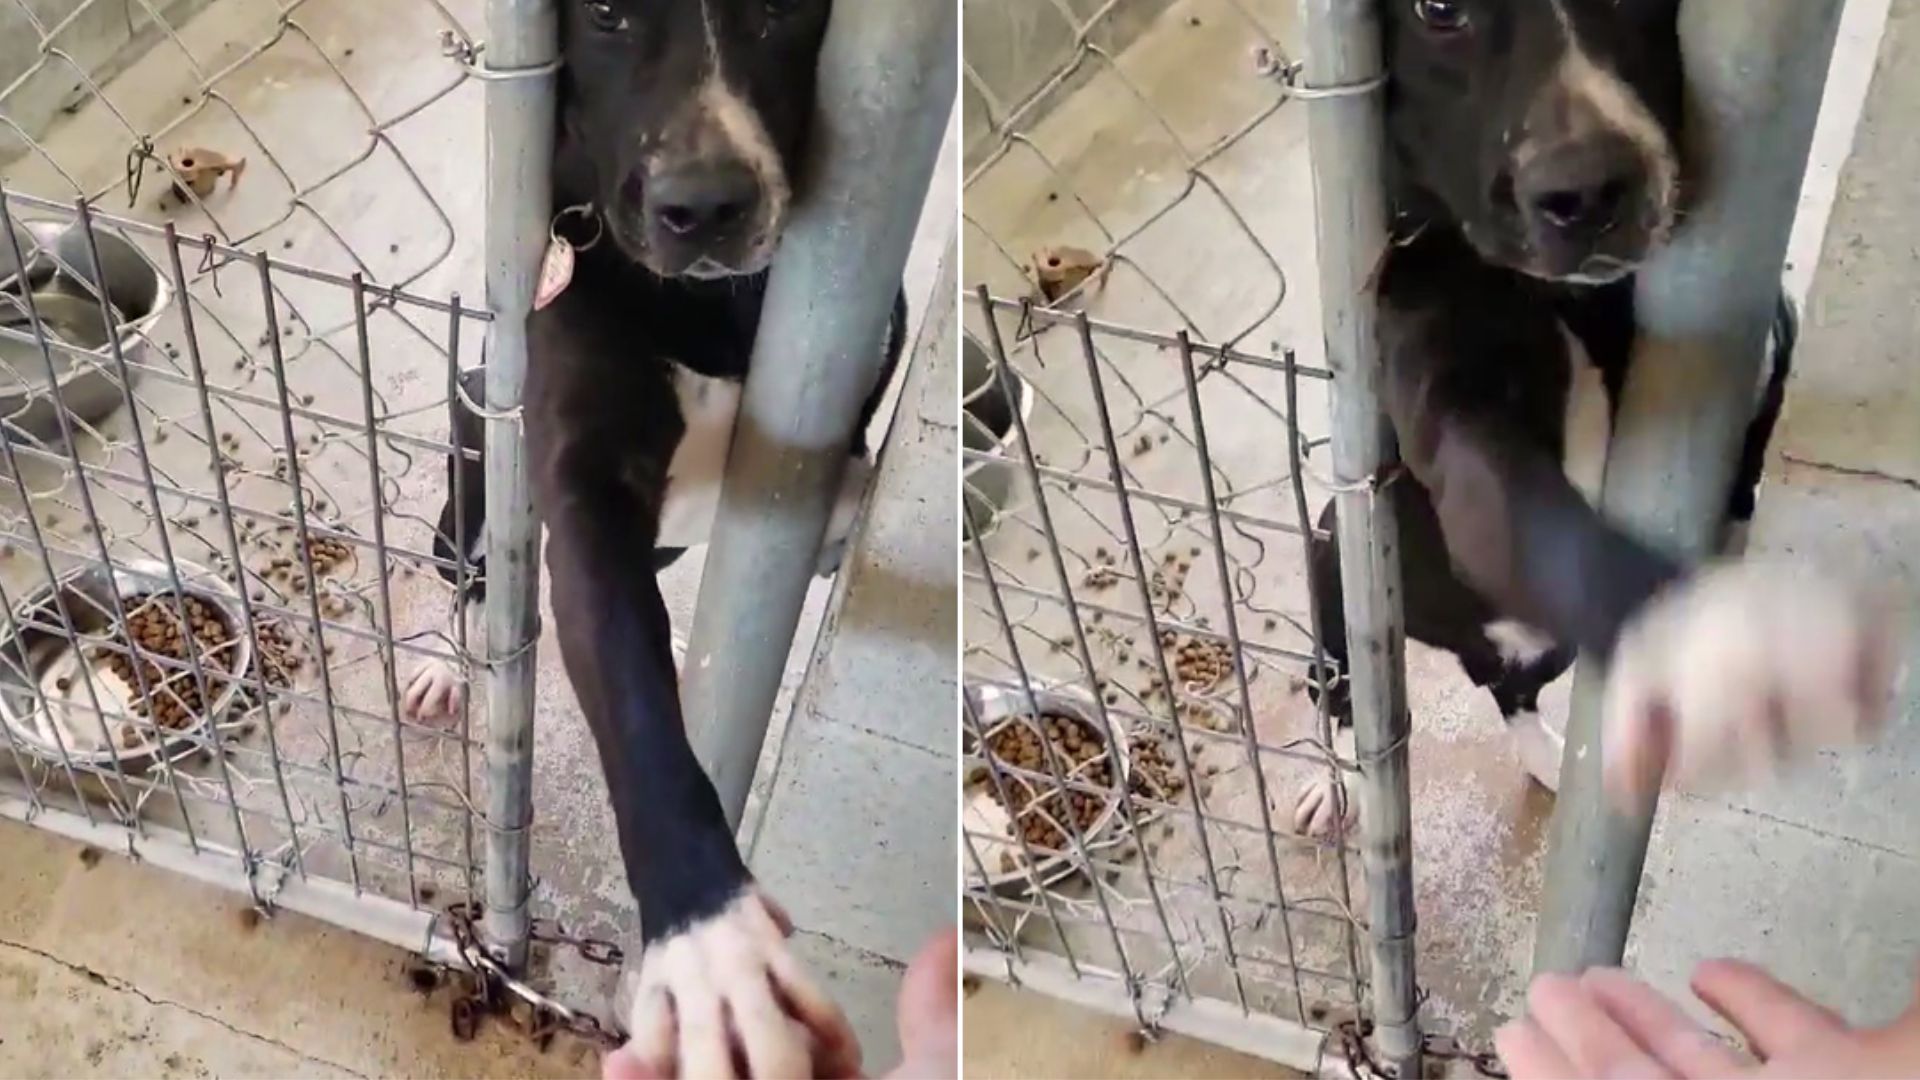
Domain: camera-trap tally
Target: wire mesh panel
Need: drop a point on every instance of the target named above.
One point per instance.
(1140, 607)
(1144, 465)
(230, 334)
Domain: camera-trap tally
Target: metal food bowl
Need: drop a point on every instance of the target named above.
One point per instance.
(996, 707)
(47, 707)
(40, 267)
(986, 422)
(62, 281)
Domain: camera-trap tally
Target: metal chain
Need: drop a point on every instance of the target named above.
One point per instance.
(490, 990)
(1353, 1039)
(1447, 1048)
(592, 950)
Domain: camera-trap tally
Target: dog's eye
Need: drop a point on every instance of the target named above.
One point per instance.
(603, 17)
(780, 8)
(1445, 16)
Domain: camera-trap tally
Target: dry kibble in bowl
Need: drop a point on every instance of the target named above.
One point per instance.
(1083, 761)
(158, 624)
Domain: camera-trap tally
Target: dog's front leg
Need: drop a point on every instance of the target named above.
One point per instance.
(1727, 671)
(719, 992)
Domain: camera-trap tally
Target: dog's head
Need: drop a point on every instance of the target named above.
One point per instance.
(693, 115)
(1547, 129)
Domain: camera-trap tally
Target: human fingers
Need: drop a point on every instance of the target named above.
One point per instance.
(1659, 1026)
(651, 1049)
(622, 1064)
(929, 1011)
(1590, 1037)
(1770, 1014)
(1528, 1052)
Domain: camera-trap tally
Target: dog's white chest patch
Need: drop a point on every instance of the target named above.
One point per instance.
(1517, 643)
(1589, 422)
(708, 407)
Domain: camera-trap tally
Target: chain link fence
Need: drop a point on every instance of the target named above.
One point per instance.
(1146, 450)
(230, 336)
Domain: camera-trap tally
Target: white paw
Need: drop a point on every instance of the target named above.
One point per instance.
(434, 694)
(846, 514)
(1740, 669)
(1539, 748)
(1324, 812)
(727, 991)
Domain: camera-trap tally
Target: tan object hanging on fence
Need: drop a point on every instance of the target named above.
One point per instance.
(199, 169)
(1058, 271)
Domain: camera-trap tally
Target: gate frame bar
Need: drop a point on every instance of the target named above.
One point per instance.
(523, 49)
(889, 80)
(1343, 77)
(1756, 78)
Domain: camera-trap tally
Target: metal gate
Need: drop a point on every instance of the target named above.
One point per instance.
(247, 228)
(1146, 450)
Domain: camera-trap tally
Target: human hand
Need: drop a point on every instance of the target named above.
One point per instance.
(1607, 1023)
(929, 1012)
(928, 1017)
(726, 996)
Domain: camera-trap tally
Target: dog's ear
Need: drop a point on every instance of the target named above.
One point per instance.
(574, 179)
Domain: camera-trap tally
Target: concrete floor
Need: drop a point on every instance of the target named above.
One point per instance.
(286, 109)
(1104, 163)
(111, 968)
(1016, 1033)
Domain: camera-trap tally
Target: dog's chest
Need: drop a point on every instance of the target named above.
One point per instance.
(708, 406)
(1587, 431)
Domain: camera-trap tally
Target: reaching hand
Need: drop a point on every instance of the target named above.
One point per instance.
(1607, 1023)
(928, 1015)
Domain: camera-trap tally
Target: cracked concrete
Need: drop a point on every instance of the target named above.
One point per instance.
(1848, 470)
(96, 1048)
(111, 968)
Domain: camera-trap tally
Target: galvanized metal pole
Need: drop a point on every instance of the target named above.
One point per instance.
(1756, 73)
(523, 46)
(888, 76)
(1343, 60)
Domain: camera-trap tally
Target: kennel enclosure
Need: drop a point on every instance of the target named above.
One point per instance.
(1159, 414)
(253, 263)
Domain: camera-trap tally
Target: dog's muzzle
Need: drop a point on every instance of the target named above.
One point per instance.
(704, 219)
(1587, 208)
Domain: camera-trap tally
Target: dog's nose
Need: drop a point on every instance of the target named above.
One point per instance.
(696, 200)
(1580, 189)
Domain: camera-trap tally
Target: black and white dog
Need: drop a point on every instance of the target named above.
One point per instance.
(682, 124)
(1534, 163)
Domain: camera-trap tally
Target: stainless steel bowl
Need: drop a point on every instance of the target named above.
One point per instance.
(88, 391)
(46, 704)
(986, 425)
(133, 284)
(39, 266)
(64, 291)
(997, 706)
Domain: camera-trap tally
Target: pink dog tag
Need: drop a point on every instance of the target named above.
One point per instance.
(556, 273)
